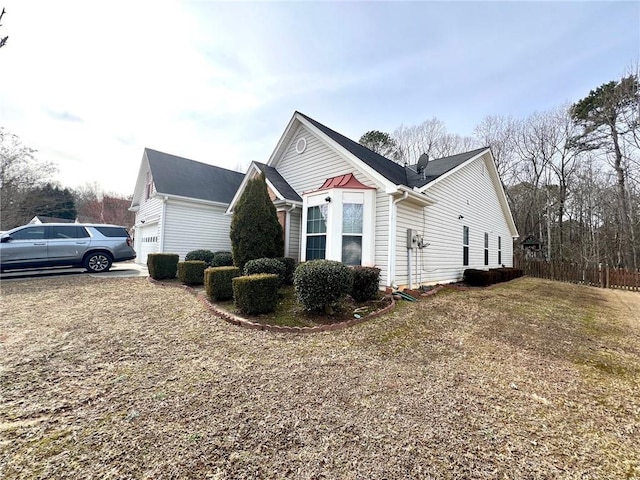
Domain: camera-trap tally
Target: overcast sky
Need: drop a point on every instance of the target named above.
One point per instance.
(89, 84)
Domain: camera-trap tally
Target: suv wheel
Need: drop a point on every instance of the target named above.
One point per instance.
(97, 262)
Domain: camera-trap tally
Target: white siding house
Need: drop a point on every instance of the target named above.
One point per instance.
(336, 199)
(180, 205)
(321, 179)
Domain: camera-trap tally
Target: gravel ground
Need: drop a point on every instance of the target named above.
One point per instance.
(120, 378)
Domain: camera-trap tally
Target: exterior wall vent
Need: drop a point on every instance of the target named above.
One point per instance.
(301, 145)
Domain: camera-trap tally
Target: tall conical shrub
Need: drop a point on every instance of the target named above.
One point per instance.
(255, 230)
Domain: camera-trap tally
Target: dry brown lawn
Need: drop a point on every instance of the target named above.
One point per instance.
(120, 378)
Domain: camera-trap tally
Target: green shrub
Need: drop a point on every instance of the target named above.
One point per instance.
(507, 273)
(162, 266)
(255, 231)
(222, 259)
(256, 293)
(191, 272)
(366, 283)
(320, 284)
(266, 265)
(204, 255)
(290, 268)
(218, 282)
(480, 278)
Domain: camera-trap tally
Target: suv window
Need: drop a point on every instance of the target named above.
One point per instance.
(113, 231)
(68, 231)
(30, 233)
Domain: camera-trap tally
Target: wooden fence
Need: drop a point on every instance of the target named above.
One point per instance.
(596, 276)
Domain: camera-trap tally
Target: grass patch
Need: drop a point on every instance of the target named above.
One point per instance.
(530, 379)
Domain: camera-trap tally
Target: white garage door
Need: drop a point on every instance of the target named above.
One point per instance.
(146, 242)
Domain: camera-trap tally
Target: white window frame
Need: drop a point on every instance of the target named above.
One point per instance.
(465, 245)
(335, 198)
(486, 248)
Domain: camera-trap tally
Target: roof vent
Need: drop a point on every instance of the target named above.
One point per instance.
(301, 145)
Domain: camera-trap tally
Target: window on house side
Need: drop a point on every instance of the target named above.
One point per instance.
(316, 232)
(486, 248)
(465, 246)
(147, 189)
(352, 233)
(499, 251)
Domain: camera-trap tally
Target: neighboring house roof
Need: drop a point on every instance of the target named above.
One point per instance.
(279, 183)
(42, 219)
(530, 241)
(182, 177)
(392, 171)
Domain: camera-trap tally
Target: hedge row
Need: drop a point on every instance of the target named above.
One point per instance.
(319, 284)
(483, 278)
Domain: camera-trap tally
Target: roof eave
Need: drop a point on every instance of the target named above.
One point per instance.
(171, 196)
(415, 195)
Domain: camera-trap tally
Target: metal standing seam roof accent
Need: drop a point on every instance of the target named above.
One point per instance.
(173, 175)
(392, 171)
(343, 181)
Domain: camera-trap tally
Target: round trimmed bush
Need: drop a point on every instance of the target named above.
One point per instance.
(203, 255)
(266, 265)
(366, 283)
(222, 259)
(320, 284)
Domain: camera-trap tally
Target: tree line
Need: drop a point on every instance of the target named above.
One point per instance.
(571, 174)
(27, 190)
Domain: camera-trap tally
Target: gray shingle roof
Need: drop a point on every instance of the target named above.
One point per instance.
(392, 171)
(187, 178)
(436, 168)
(279, 183)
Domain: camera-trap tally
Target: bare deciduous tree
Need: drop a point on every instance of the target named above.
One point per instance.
(3, 40)
(430, 137)
(20, 174)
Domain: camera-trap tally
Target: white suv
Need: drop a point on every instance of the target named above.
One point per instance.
(92, 246)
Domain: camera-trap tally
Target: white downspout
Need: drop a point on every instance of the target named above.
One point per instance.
(163, 220)
(393, 217)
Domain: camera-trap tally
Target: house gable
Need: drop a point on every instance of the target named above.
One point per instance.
(305, 146)
(188, 179)
(486, 157)
(278, 188)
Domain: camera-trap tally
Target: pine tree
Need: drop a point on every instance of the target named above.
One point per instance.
(255, 230)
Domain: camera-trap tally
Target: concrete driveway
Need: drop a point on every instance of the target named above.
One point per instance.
(118, 270)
